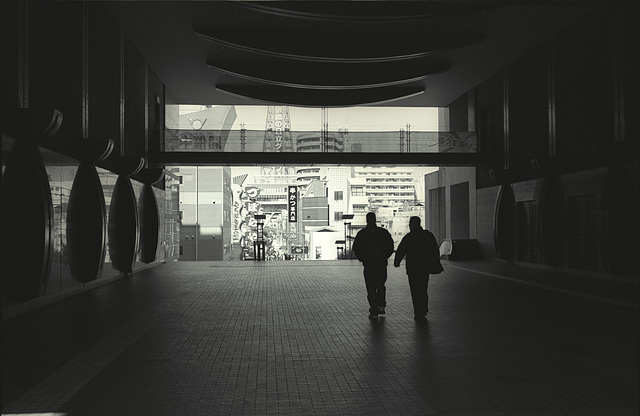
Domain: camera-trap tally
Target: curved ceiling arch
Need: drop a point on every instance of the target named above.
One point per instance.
(381, 11)
(353, 47)
(303, 31)
(292, 73)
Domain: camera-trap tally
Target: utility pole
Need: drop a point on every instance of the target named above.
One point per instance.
(243, 137)
(408, 138)
(401, 140)
(324, 131)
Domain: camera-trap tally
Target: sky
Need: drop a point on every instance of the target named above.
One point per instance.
(352, 118)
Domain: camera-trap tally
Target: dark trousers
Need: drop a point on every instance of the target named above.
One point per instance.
(375, 278)
(419, 284)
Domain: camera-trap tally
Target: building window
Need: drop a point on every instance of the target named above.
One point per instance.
(357, 191)
(337, 195)
(359, 208)
(337, 216)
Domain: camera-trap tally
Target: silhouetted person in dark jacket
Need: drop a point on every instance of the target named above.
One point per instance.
(423, 257)
(373, 245)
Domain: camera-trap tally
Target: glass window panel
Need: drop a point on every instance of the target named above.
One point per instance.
(297, 129)
(61, 172)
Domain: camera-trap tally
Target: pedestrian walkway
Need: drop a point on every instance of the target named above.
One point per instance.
(293, 338)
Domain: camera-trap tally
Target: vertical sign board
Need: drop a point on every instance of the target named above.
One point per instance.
(293, 204)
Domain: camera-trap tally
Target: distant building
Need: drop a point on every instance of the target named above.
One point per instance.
(314, 205)
(205, 207)
(313, 142)
(390, 192)
(271, 199)
(307, 174)
(322, 243)
(338, 194)
(387, 186)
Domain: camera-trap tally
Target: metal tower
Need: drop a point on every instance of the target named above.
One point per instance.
(277, 132)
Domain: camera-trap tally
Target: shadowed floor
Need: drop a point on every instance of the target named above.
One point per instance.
(293, 338)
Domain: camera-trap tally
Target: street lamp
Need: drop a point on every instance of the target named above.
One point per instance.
(259, 249)
(338, 248)
(347, 232)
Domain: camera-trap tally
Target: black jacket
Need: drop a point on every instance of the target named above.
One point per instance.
(373, 245)
(422, 252)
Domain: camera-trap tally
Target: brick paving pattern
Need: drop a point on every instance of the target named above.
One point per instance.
(293, 338)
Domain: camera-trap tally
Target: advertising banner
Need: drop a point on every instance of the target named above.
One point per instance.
(292, 204)
(202, 140)
(458, 142)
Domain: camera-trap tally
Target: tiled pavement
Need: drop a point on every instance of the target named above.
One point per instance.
(293, 338)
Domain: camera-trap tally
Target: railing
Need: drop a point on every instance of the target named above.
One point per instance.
(339, 142)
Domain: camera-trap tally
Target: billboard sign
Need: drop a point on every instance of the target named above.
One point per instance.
(292, 203)
(458, 142)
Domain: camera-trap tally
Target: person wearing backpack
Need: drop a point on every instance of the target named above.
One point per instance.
(422, 254)
(373, 245)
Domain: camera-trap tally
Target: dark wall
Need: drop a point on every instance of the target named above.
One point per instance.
(10, 16)
(485, 209)
(490, 126)
(75, 58)
(459, 114)
(437, 221)
(528, 108)
(569, 103)
(562, 120)
(135, 101)
(460, 210)
(156, 115)
(56, 62)
(627, 73)
(104, 75)
(584, 87)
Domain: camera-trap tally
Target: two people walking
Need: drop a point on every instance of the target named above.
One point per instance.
(373, 245)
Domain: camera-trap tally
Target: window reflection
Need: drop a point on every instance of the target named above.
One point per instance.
(61, 172)
(228, 128)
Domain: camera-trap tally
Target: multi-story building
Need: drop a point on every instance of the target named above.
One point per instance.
(308, 174)
(314, 206)
(387, 186)
(396, 219)
(314, 220)
(273, 183)
(272, 198)
(205, 192)
(314, 142)
(390, 192)
(338, 194)
(205, 207)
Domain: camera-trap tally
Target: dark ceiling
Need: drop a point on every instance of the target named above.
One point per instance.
(319, 53)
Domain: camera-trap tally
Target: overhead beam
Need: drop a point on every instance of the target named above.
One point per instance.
(304, 158)
(322, 75)
(354, 46)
